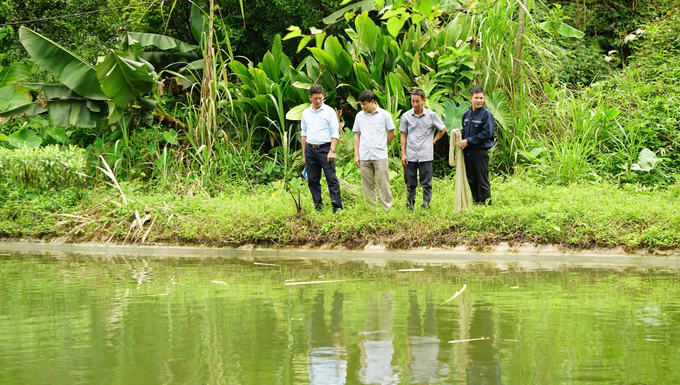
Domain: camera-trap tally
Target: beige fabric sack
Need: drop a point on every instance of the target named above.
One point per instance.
(461, 199)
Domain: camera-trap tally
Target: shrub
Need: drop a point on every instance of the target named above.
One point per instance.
(43, 168)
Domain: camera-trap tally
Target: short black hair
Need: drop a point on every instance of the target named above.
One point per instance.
(418, 92)
(367, 96)
(315, 89)
(476, 90)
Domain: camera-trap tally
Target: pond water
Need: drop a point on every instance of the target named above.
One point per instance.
(134, 319)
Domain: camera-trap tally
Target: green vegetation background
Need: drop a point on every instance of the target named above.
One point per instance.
(587, 153)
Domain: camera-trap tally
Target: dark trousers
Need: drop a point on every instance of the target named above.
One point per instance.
(477, 168)
(411, 172)
(317, 161)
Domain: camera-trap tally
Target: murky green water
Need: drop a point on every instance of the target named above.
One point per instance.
(145, 320)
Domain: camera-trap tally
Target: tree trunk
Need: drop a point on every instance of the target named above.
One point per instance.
(519, 42)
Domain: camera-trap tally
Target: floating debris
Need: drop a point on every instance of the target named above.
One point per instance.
(315, 282)
(515, 287)
(469, 340)
(454, 296)
(220, 283)
(402, 270)
(265, 264)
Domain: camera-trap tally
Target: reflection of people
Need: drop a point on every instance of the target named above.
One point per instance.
(376, 347)
(324, 362)
(484, 367)
(477, 134)
(373, 131)
(422, 344)
(418, 137)
(319, 135)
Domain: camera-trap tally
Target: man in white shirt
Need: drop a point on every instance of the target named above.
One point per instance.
(320, 134)
(373, 132)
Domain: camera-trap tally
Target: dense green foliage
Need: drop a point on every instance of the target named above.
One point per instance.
(171, 116)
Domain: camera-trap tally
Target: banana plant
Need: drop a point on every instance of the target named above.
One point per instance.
(92, 96)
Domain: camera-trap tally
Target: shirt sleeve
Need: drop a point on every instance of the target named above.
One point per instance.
(356, 127)
(389, 123)
(303, 125)
(437, 121)
(335, 128)
(403, 126)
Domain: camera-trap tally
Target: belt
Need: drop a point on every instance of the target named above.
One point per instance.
(318, 146)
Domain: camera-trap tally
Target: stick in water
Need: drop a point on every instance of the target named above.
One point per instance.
(454, 296)
(469, 340)
(314, 282)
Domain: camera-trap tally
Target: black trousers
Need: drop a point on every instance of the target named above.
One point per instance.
(317, 161)
(411, 172)
(477, 167)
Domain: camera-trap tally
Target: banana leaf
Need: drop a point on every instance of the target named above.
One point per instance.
(71, 70)
(15, 72)
(124, 80)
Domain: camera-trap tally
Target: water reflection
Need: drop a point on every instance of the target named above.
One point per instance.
(221, 321)
(326, 361)
(376, 345)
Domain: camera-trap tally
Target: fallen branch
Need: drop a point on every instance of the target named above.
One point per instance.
(454, 296)
(470, 340)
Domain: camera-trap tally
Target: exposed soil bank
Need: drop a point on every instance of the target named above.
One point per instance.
(502, 255)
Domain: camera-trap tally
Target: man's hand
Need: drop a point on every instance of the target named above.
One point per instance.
(462, 144)
(404, 160)
(331, 156)
(357, 161)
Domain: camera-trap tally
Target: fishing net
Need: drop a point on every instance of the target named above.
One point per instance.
(461, 198)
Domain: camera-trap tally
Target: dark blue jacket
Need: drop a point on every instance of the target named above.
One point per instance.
(478, 129)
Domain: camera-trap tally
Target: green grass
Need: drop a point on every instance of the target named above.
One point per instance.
(574, 216)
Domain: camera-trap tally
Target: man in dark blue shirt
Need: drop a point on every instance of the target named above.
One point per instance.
(477, 139)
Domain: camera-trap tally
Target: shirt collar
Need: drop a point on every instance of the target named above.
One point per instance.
(323, 105)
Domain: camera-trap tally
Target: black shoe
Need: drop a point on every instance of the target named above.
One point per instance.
(425, 206)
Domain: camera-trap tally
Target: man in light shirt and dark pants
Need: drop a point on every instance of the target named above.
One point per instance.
(373, 132)
(320, 134)
(418, 137)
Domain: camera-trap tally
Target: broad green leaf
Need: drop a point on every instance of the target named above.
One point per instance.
(319, 39)
(198, 22)
(4, 137)
(647, 160)
(340, 13)
(423, 6)
(65, 113)
(124, 80)
(58, 134)
(303, 43)
(395, 24)
(304, 86)
(270, 67)
(367, 30)
(170, 136)
(68, 68)
(51, 91)
(294, 32)
(499, 108)
(295, 113)
(362, 76)
(160, 41)
(324, 59)
(611, 113)
(12, 96)
(24, 138)
(16, 72)
(569, 31)
(453, 114)
(339, 55)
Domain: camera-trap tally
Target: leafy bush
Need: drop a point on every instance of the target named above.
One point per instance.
(42, 168)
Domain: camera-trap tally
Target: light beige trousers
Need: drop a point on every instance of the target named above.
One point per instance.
(376, 172)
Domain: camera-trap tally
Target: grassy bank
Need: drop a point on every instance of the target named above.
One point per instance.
(574, 216)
